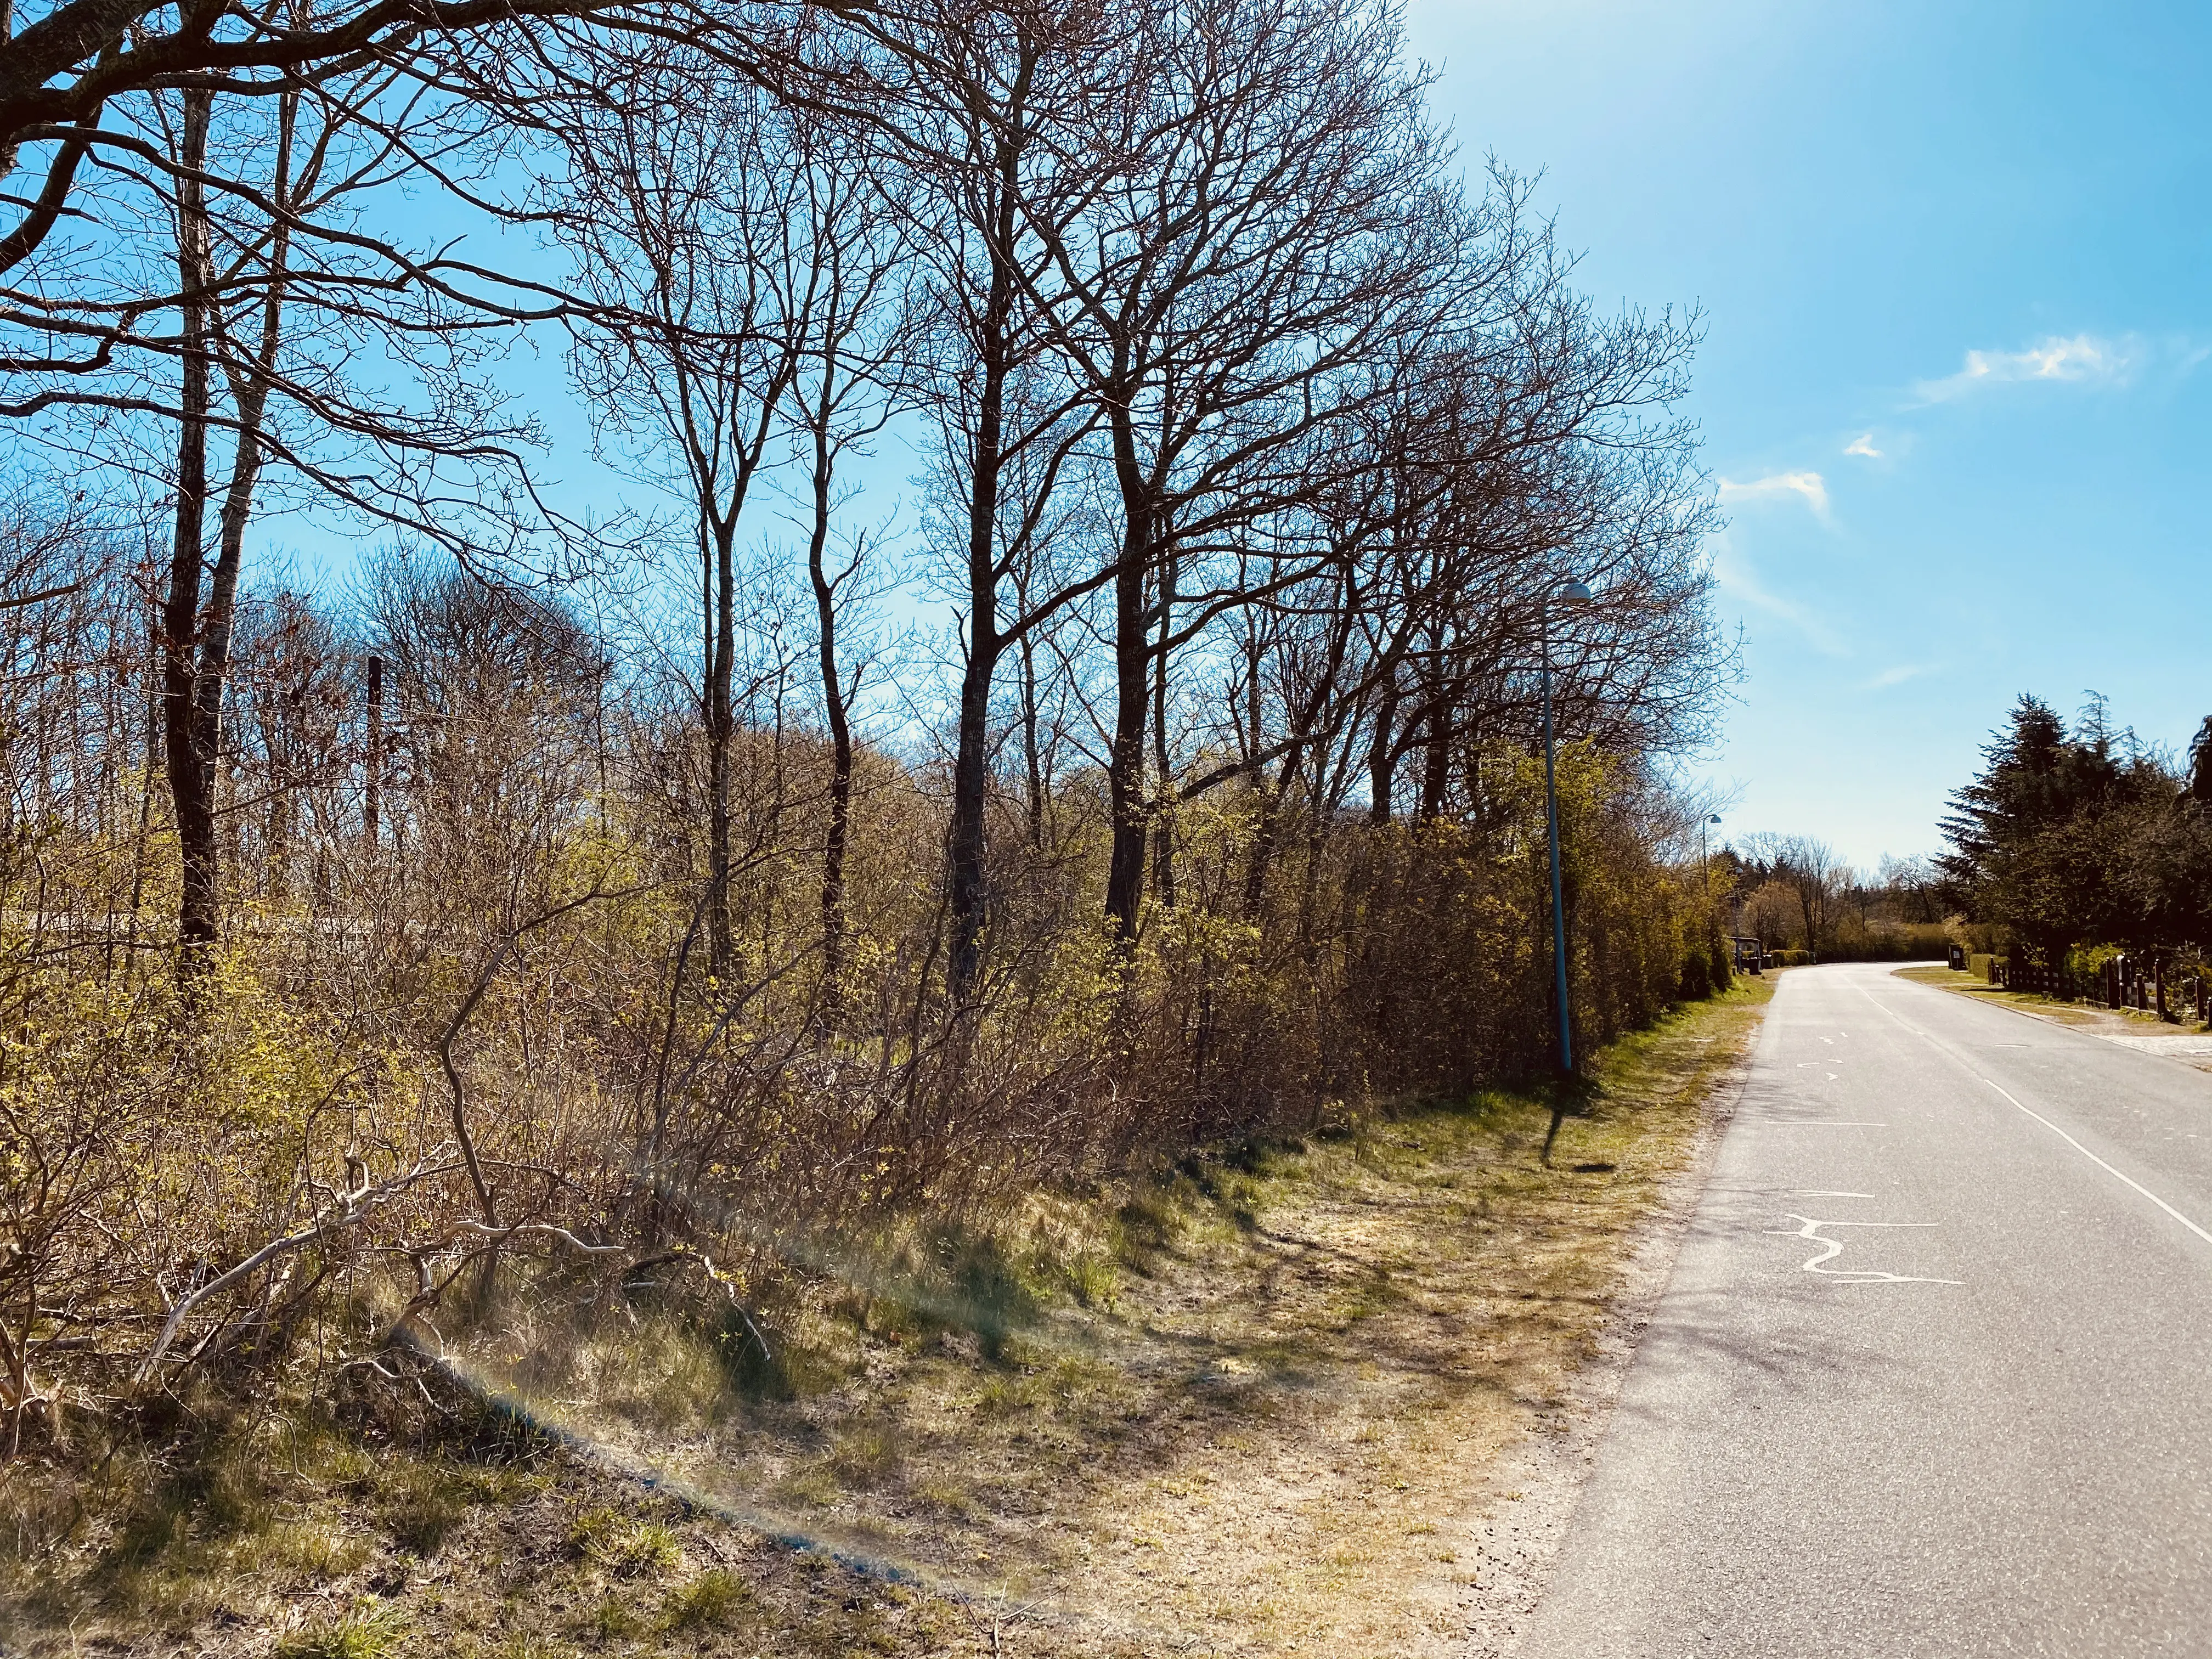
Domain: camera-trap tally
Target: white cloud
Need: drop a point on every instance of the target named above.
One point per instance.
(1736, 578)
(2081, 359)
(1807, 484)
(1897, 676)
(1863, 445)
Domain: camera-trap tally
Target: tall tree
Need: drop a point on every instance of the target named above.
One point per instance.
(689, 213)
(2040, 839)
(1249, 268)
(986, 101)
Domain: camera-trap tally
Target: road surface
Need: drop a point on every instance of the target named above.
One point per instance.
(1934, 1371)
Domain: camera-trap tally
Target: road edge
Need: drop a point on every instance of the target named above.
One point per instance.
(2147, 1044)
(1514, 1530)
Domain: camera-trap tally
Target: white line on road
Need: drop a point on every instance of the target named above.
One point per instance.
(2107, 1168)
(2118, 1175)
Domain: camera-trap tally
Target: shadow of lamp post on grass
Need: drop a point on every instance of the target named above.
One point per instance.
(1575, 595)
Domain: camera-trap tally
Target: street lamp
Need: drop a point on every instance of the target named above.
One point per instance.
(1574, 594)
(1705, 875)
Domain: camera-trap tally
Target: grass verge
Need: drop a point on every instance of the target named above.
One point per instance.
(2053, 1008)
(1244, 1406)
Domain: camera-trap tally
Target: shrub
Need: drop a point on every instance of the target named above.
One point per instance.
(1697, 968)
(1723, 957)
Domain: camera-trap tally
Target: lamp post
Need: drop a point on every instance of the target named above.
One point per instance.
(1705, 875)
(1574, 594)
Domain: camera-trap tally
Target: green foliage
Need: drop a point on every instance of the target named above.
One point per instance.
(591, 1532)
(708, 1601)
(420, 1502)
(1697, 974)
(2071, 838)
(867, 1453)
(613, 1619)
(990, 1295)
(366, 1630)
(646, 1549)
(756, 1361)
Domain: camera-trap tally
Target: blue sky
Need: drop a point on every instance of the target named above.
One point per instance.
(1956, 264)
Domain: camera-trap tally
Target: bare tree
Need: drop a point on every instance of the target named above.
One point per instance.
(1249, 268)
(695, 226)
(67, 71)
(1810, 870)
(848, 389)
(985, 100)
(256, 192)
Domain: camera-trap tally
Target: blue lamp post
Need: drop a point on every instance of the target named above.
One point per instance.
(1574, 594)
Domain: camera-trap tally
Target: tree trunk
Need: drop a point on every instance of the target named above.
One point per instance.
(1132, 657)
(1435, 769)
(372, 799)
(721, 649)
(1383, 759)
(1267, 830)
(249, 391)
(964, 835)
(197, 636)
(1163, 875)
(841, 731)
(1032, 742)
(191, 763)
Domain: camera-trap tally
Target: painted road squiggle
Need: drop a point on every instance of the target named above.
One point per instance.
(1808, 1227)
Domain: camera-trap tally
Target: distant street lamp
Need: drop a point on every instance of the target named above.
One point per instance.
(1705, 872)
(1574, 594)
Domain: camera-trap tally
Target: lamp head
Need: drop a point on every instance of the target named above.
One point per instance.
(1716, 818)
(1575, 593)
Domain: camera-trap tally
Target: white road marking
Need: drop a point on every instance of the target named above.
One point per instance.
(2107, 1168)
(2129, 1180)
(1831, 1041)
(1810, 1229)
(1831, 1077)
(1822, 1192)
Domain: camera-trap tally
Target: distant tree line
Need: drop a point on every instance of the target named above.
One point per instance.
(1793, 893)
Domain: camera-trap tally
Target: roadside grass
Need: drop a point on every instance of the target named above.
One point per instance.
(1250, 1403)
(2053, 1008)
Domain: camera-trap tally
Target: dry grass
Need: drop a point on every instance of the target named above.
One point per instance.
(1246, 1407)
(2131, 1021)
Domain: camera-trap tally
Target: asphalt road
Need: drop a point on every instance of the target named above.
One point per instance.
(1934, 1371)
